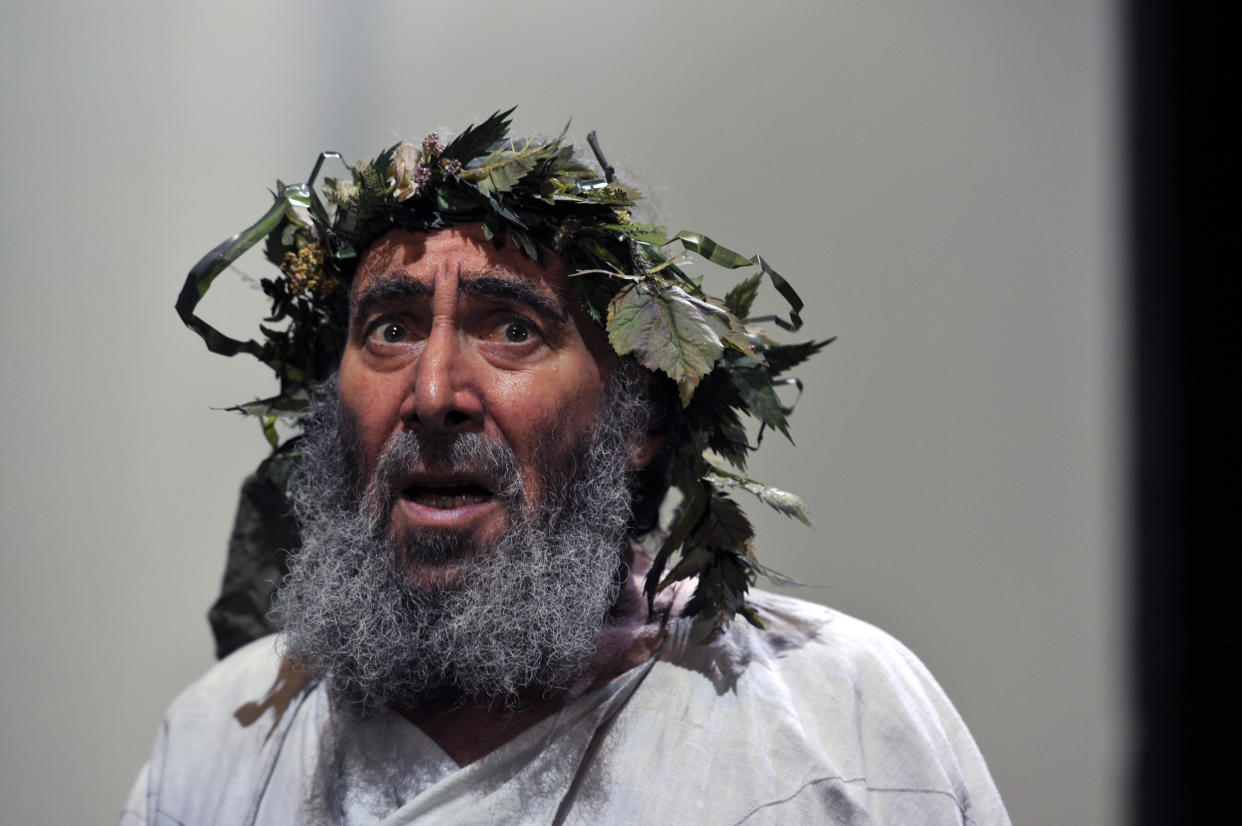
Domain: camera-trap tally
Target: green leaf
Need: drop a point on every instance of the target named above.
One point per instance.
(269, 430)
(742, 296)
(737, 337)
(783, 501)
(666, 331)
(649, 234)
(453, 201)
(752, 616)
(781, 357)
(693, 563)
(787, 292)
(502, 170)
(710, 250)
(727, 437)
(724, 526)
(524, 243)
(286, 404)
(200, 278)
(689, 513)
(754, 384)
(475, 140)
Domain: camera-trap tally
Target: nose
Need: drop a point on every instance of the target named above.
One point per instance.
(444, 397)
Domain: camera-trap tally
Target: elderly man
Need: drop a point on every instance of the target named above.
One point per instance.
(500, 375)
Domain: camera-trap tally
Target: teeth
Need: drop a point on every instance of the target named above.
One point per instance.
(448, 497)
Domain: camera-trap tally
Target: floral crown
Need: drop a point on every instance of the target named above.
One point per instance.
(536, 194)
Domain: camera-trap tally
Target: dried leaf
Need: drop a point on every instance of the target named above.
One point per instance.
(292, 404)
(502, 170)
(787, 503)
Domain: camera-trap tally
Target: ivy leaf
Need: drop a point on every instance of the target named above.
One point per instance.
(475, 140)
(742, 296)
(781, 357)
(666, 331)
(785, 502)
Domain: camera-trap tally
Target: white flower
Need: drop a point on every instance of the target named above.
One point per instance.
(403, 173)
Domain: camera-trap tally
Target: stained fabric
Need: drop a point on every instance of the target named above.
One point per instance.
(820, 719)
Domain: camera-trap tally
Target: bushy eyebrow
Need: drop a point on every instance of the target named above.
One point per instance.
(516, 290)
(385, 290)
(494, 284)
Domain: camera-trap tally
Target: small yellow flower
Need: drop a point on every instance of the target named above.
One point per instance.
(304, 272)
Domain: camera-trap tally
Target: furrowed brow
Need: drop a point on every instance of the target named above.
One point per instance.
(514, 290)
(383, 290)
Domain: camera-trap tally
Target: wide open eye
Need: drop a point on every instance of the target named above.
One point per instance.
(390, 332)
(516, 332)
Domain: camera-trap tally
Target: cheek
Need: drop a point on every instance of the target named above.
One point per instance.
(567, 396)
(374, 407)
(548, 412)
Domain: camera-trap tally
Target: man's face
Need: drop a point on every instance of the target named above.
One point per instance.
(464, 500)
(450, 334)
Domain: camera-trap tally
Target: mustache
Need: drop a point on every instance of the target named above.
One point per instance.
(414, 454)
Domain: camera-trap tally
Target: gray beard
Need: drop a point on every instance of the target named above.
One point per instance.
(530, 606)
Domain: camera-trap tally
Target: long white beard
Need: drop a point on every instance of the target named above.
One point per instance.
(530, 606)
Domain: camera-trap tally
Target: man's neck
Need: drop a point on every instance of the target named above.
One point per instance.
(470, 731)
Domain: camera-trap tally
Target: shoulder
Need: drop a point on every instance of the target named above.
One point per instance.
(846, 716)
(833, 648)
(802, 642)
(244, 675)
(220, 738)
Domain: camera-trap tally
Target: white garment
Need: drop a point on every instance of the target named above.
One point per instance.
(820, 719)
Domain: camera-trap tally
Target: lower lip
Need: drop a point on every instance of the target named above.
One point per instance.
(460, 517)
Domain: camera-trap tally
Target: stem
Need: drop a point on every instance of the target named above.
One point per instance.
(609, 172)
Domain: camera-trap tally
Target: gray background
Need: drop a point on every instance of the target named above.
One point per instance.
(939, 180)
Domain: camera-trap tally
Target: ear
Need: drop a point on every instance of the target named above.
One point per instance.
(644, 450)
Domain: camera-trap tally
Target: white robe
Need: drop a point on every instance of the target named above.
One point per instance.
(820, 719)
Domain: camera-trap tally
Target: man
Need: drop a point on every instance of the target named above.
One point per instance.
(501, 374)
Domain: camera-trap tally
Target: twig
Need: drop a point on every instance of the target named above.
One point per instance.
(609, 172)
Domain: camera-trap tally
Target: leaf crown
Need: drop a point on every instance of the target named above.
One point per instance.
(537, 194)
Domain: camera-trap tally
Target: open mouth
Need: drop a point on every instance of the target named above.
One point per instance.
(447, 496)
